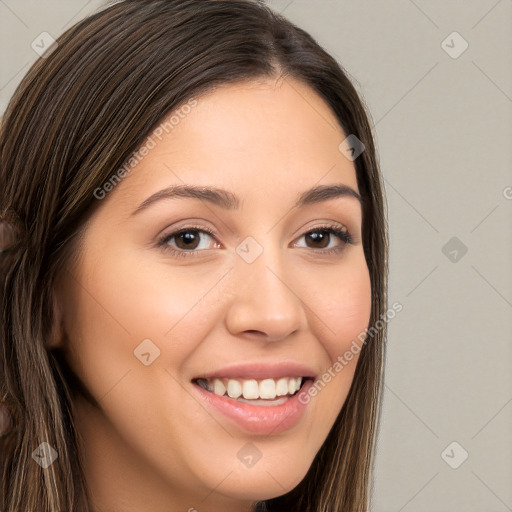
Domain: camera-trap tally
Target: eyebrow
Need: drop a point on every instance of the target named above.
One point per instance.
(230, 201)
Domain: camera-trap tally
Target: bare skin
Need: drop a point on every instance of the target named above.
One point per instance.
(151, 444)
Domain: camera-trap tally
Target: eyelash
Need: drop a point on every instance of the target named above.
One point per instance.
(333, 229)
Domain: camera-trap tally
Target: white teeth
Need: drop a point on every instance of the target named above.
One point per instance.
(282, 387)
(268, 389)
(294, 385)
(218, 387)
(252, 389)
(234, 388)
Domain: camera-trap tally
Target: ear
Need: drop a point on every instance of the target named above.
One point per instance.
(55, 338)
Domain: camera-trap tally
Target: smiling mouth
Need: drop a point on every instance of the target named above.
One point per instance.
(254, 391)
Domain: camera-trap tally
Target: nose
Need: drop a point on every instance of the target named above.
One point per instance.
(265, 303)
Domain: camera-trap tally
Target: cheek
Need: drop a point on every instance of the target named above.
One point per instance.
(352, 316)
(139, 299)
(342, 306)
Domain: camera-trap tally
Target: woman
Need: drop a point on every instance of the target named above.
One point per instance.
(199, 243)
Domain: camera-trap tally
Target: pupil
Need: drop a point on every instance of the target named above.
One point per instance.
(320, 235)
(188, 237)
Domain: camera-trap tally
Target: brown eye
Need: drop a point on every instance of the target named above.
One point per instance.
(187, 239)
(319, 238)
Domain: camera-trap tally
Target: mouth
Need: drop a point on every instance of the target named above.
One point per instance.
(257, 392)
(258, 399)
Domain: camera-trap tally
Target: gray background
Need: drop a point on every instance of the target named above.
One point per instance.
(443, 129)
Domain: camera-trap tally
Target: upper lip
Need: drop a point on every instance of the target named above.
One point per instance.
(261, 371)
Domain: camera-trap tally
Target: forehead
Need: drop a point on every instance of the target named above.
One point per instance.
(252, 137)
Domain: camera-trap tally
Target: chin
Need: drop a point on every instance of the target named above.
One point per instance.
(263, 481)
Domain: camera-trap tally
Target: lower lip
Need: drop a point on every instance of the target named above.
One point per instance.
(258, 419)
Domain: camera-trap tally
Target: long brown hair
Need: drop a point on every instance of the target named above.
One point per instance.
(76, 117)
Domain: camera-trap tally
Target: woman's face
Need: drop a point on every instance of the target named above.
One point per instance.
(269, 296)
